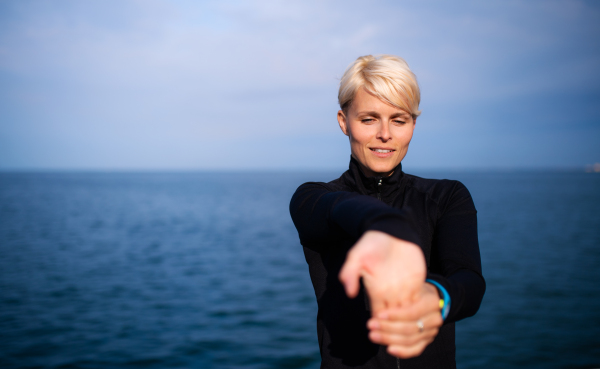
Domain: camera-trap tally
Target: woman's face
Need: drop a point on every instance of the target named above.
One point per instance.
(379, 133)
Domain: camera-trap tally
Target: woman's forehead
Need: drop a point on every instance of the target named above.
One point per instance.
(365, 102)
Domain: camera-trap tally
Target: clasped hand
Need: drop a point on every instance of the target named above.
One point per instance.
(405, 310)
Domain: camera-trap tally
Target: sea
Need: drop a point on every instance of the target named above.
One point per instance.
(205, 270)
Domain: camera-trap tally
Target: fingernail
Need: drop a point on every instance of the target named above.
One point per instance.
(373, 324)
(383, 315)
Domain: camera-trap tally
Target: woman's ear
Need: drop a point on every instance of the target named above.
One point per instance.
(342, 122)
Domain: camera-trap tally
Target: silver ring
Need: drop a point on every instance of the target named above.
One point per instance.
(420, 325)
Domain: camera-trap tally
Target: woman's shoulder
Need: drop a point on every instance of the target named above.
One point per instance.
(439, 190)
(338, 184)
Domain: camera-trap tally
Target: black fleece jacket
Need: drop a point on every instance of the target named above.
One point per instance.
(437, 215)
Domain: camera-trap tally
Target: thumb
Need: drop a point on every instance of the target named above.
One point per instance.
(350, 276)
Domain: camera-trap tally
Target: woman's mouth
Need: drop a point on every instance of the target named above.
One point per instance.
(382, 153)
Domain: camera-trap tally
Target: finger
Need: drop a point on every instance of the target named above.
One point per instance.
(405, 352)
(431, 320)
(407, 314)
(403, 333)
(393, 326)
(411, 312)
(387, 339)
(350, 275)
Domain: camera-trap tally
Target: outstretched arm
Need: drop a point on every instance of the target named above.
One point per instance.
(318, 212)
(386, 256)
(455, 257)
(456, 262)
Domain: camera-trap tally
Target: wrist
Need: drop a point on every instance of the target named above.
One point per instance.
(445, 300)
(430, 288)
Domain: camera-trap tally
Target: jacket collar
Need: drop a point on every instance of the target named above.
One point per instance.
(364, 185)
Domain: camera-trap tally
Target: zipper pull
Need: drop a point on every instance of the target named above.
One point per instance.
(379, 189)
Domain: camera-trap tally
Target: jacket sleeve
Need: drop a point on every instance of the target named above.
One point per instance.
(318, 213)
(455, 257)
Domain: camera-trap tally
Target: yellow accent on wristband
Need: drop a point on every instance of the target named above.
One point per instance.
(441, 303)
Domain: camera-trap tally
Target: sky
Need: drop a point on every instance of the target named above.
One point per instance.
(252, 85)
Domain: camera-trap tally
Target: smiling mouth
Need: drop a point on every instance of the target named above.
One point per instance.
(383, 151)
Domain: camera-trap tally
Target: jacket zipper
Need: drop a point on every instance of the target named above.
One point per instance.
(379, 198)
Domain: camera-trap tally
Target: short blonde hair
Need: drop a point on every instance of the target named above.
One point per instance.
(386, 76)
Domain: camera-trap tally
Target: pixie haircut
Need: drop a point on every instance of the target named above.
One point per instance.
(386, 76)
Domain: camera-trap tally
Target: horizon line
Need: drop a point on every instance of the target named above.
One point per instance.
(593, 168)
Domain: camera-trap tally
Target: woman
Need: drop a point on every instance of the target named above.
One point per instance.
(411, 241)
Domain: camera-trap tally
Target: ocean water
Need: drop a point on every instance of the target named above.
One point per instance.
(204, 270)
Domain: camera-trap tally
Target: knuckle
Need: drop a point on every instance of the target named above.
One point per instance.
(430, 334)
(397, 340)
(410, 341)
(419, 350)
(406, 352)
(407, 330)
(384, 337)
(389, 326)
(397, 351)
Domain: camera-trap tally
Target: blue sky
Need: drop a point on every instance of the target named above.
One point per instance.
(150, 85)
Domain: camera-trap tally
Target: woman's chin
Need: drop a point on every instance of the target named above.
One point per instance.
(381, 170)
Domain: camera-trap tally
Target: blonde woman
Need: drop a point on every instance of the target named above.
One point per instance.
(393, 258)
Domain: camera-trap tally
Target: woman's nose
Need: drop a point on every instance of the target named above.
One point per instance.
(384, 132)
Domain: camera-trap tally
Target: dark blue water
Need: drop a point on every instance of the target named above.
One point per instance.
(204, 270)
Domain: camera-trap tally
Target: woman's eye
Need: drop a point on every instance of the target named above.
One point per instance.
(367, 120)
(399, 122)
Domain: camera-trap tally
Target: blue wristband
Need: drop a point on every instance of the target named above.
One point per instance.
(446, 297)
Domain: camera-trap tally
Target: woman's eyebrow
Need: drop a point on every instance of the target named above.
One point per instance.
(373, 113)
(401, 115)
(376, 114)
